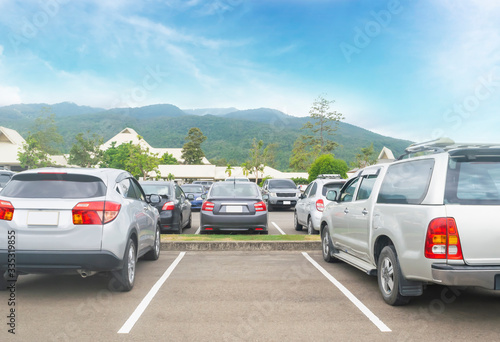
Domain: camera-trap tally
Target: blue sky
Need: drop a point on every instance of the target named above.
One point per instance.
(408, 69)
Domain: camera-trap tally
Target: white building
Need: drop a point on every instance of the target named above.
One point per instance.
(11, 143)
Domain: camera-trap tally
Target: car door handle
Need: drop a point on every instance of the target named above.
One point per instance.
(365, 212)
(346, 211)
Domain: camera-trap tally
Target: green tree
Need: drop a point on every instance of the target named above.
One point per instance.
(322, 126)
(46, 134)
(86, 151)
(229, 170)
(245, 169)
(367, 157)
(168, 159)
(32, 155)
(170, 177)
(191, 151)
(302, 155)
(327, 164)
(300, 181)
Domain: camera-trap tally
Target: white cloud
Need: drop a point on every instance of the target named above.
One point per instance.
(9, 95)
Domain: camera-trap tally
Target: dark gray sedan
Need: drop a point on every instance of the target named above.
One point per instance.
(233, 207)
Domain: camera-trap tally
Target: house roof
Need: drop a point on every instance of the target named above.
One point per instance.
(11, 143)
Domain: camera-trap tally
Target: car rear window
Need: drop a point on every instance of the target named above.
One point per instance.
(156, 189)
(192, 188)
(473, 182)
(50, 185)
(234, 190)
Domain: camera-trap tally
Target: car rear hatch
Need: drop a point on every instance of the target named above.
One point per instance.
(472, 198)
(43, 211)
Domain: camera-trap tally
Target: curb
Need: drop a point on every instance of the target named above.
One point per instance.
(241, 246)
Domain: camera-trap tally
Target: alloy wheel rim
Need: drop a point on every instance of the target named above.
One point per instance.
(326, 248)
(131, 264)
(157, 241)
(387, 276)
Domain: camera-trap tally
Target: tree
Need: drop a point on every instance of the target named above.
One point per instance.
(365, 158)
(168, 159)
(323, 126)
(32, 155)
(170, 177)
(191, 151)
(302, 155)
(327, 164)
(45, 132)
(86, 151)
(229, 169)
(259, 157)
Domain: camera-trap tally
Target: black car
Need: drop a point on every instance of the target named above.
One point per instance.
(234, 207)
(174, 208)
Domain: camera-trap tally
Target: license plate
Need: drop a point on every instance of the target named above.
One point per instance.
(286, 202)
(43, 218)
(234, 209)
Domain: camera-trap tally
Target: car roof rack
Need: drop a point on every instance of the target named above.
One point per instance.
(441, 145)
(329, 176)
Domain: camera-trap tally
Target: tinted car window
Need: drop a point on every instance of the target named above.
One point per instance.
(366, 187)
(191, 189)
(179, 193)
(234, 190)
(156, 189)
(406, 183)
(54, 186)
(313, 190)
(281, 184)
(473, 182)
(4, 179)
(137, 190)
(348, 193)
(331, 186)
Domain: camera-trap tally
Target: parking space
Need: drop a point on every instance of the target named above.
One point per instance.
(244, 296)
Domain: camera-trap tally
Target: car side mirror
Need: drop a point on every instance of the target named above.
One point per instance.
(190, 197)
(332, 195)
(154, 199)
(265, 197)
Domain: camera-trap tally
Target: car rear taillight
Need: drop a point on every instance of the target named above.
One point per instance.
(6, 211)
(208, 206)
(442, 241)
(95, 212)
(260, 206)
(168, 206)
(320, 205)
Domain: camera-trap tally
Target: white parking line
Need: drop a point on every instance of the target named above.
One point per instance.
(371, 316)
(198, 231)
(129, 324)
(282, 232)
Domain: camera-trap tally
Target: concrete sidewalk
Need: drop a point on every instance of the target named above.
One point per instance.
(241, 246)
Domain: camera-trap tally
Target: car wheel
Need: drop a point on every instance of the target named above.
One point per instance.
(269, 207)
(123, 280)
(389, 275)
(310, 228)
(179, 230)
(154, 254)
(190, 221)
(327, 246)
(296, 225)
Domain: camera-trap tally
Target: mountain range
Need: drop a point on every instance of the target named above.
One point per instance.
(229, 131)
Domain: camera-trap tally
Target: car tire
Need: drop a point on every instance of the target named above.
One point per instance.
(296, 225)
(310, 228)
(327, 246)
(154, 254)
(188, 225)
(389, 275)
(123, 280)
(179, 230)
(269, 208)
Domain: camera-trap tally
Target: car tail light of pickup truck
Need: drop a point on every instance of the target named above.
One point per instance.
(6, 211)
(320, 205)
(207, 206)
(95, 212)
(442, 241)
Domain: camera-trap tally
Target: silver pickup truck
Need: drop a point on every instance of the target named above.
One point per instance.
(420, 220)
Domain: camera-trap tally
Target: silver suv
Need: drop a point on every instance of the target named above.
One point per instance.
(76, 221)
(281, 193)
(311, 203)
(427, 219)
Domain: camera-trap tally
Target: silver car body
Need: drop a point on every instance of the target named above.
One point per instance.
(396, 204)
(47, 240)
(279, 196)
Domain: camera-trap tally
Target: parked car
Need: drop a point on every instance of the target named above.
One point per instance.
(77, 221)
(196, 191)
(234, 207)
(237, 179)
(174, 207)
(206, 184)
(5, 176)
(281, 193)
(311, 204)
(431, 219)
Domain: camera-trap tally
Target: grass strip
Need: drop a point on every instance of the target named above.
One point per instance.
(242, 237)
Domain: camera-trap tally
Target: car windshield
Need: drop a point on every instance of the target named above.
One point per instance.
(54, 186)
(192, 189)
(234, 190)
(157, 189)
(281, 184)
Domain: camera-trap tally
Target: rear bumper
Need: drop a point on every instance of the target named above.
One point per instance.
(229, 223)
(168, 221)
(60, 261)
(487, 277)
